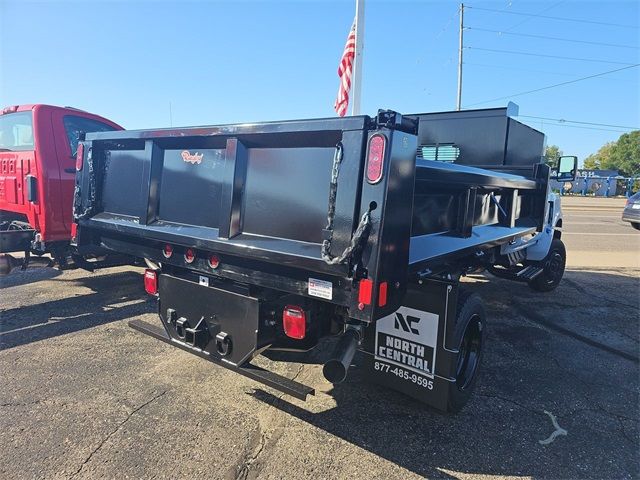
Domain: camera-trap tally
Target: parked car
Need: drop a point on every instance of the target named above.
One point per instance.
(631, 212)
(38, 146)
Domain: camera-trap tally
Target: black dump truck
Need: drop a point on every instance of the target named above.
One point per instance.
(276, 235)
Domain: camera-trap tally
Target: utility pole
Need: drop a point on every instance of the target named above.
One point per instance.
(460, 47)
(357, 64)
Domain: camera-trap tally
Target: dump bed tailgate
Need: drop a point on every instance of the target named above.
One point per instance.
(255, 191)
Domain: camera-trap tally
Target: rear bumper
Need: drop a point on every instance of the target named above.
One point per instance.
(218, 321)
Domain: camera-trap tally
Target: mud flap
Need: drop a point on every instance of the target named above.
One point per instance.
(412, 350)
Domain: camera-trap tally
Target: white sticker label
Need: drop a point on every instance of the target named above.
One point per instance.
(204, 281)
(408, 338)
(320, 288)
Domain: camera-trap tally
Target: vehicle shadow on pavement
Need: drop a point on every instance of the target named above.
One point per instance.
(571, 353)
(18, 277)
(112, 297)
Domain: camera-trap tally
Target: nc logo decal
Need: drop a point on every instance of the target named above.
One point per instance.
(406, 323)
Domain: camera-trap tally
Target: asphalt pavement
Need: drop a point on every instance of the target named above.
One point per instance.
(82, 395)
(595, 234)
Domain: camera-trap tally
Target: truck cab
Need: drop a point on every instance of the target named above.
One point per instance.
(38, 145)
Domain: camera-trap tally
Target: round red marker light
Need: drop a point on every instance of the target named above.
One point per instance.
(189, 255)
(214, 261)
(167, 251)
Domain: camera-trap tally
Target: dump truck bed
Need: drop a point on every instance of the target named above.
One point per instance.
(259, 196)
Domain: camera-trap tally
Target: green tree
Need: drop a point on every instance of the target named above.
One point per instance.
(551, 154)
(622, 155)
(595, 161)
(625, 155)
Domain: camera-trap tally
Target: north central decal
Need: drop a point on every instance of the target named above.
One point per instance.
(408, 338)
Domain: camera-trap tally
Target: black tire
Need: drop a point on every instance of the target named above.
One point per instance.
(470, 330)
(553, 264)
(635, 225)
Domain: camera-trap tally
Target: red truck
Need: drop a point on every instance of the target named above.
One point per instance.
(38, 147)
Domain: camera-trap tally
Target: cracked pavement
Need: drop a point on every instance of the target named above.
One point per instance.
(84, 396)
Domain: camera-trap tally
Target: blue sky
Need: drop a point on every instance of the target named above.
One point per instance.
(221, 62)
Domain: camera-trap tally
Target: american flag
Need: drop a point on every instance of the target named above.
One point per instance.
(344, 72)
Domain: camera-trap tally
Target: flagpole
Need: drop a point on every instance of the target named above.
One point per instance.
(357, 66)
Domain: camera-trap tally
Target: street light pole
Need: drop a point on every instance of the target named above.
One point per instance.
(460, 47)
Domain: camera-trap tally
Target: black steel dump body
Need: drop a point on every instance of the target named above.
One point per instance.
(257, 195)
(402, 196)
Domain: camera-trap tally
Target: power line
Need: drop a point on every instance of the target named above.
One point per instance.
(586, 128)
(508, 5)
(502, 32)
(505, 67)
(531, 54)
(562, 120)
(443, 29)
(557, 73)
(529, 18)
(556, 85)
(566, 19)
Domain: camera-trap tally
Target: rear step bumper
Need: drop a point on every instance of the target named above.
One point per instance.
(273, 380)
(529, 273)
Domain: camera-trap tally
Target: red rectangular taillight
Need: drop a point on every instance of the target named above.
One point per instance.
(365, 292)
(74, 230)
(151, 281)
(375, 158)
(294, 321)
(79, 156)
(382, 294)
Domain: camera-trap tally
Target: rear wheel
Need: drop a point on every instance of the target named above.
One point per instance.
(469, 334)
(553, 268)
(635, 225)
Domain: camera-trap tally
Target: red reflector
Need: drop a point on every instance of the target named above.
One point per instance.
(382, 297)
(74, 230)
(364, 291)
(79, 157)
(167, 251)
(189, 255)
(151, 281)
(214, 261)
(375, 159)
(294, 321)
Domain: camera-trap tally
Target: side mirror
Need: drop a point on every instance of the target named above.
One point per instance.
(567, 168)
